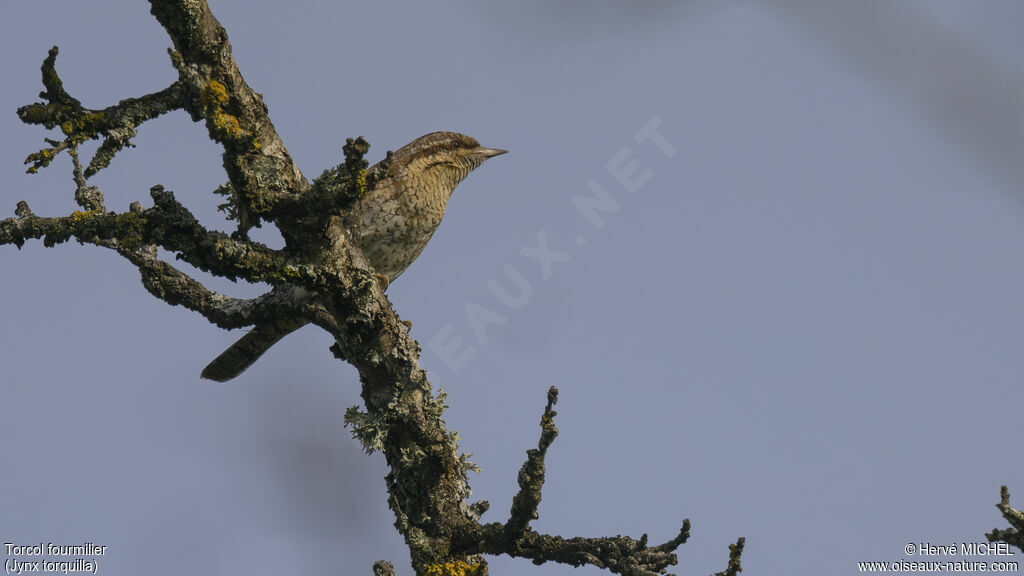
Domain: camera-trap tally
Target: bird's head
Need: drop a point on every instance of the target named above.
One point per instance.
(444, 157)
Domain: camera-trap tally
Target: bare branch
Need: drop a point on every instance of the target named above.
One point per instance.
(531, 475)
(116, 124)
(88, 197)
(617, 554)
(167, 224)
(1015, 534)
(177, 288)
(735, 551)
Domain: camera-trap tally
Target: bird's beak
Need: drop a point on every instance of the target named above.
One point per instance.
(490, 152)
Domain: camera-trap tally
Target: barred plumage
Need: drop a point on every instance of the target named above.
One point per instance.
(396, 220)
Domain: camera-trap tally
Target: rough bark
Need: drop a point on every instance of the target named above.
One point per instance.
(1014, 535)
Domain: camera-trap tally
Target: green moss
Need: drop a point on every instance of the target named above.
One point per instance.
(50, 78)
(87, 124)
(34, 113)
(354, 169)
(128, 229)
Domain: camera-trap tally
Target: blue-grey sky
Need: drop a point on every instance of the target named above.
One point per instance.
(799, 320)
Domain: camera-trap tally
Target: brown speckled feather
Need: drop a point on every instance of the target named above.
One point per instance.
(396, 220)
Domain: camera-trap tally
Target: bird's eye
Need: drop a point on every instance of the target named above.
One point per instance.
(456, 145)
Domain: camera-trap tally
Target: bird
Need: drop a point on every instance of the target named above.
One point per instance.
(394, 221)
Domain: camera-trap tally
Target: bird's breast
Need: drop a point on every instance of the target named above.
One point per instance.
(397, 219)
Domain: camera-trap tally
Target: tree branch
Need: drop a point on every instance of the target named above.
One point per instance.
(177, 288)
(167, 224)
(116, 123)
(1015, 534)
(531, 475)
(383, 568)
(735, 551)
(260, 170)
(617, 554)
(320, 276)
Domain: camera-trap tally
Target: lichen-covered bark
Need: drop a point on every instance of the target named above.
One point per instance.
(319, 277)
(1015, 534)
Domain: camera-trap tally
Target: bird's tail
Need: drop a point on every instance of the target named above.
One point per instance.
(247, 350)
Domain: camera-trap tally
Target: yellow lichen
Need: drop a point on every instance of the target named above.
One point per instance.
(361, 182)
(457, 568)
(79, 215)
(226, 126)
(214, 93)
(176, 60)
(40, 159)
(87, 123)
